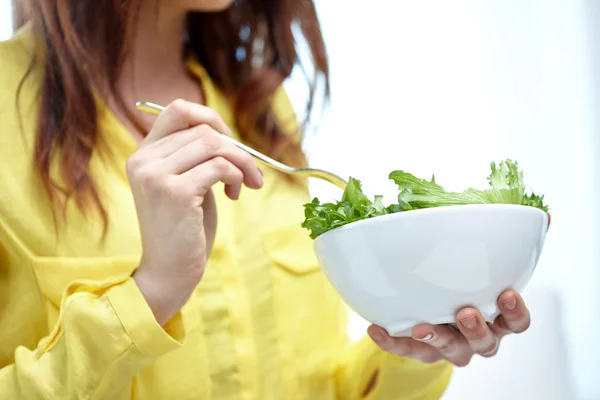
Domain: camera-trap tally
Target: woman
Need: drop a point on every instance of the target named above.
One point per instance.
(108, 217)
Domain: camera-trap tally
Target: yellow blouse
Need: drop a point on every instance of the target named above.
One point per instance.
(264, 323)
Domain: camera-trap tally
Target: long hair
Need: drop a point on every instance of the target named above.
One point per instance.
(90, 38)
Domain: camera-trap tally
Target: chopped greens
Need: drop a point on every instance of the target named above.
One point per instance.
(505, 181)
(354, 206)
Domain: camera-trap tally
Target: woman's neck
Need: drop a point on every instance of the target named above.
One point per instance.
(154, 69)
(157, 48)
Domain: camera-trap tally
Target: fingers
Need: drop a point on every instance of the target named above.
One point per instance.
(200, 178)
(515, 317)
(480, 337)
(473, 336)
(405, 347)
(449, 342)
(187, 135)
(181, 115)
(168, 145)
(210, 144)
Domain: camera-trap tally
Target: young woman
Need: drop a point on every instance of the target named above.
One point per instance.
(115, 282)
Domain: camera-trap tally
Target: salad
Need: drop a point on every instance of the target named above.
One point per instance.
(505, 181)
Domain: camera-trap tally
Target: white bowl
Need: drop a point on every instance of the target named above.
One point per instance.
(423, 266)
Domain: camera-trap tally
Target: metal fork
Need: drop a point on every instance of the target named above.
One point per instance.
(155, 109)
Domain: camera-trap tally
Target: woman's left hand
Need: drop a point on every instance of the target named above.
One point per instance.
(432, 343)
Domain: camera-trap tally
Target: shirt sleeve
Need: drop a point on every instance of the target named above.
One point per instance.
(369, 373)
(105, 334)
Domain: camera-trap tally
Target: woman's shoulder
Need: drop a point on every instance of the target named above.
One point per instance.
(16, 56)
(18, 47)
(18, 115)
(20, 81)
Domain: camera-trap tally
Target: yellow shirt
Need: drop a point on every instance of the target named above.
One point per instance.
(264, 323)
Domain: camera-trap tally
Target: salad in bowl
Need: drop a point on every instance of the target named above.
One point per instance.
(432, 252)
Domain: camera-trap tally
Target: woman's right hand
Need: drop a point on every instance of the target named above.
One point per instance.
(171, 175)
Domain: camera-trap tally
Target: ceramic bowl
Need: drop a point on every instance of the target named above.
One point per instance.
(423, 266)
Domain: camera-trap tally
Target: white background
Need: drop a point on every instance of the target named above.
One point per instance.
(445, 87)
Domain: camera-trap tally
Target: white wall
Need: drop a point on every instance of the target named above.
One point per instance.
(446, 87)
(5, 19)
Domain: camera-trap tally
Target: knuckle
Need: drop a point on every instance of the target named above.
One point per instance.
(462, 361)
(247, 159)
(522, 327)
(490, 354)
(195, 133)
(489, 350)
(221, 164)
(429, 358)
(177, 108)
(400, 349)
(448, 345)
(238, 176)
(389, 346)
(205, 129)
(172, 189)
(134, 163)
(212, 116)
(147, 177)
(210, 139)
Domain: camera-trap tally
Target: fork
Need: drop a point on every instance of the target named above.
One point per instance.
(156, 109)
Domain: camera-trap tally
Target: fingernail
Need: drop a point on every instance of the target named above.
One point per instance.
(426, 338)
(510, 304)
(261, 172)
(469, 323)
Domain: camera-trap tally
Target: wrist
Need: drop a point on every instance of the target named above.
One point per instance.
(164, 297)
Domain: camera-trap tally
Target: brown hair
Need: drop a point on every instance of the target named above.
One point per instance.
(84, 38)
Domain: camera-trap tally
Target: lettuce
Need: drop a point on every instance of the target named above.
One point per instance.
(506, 186)
(354, 206)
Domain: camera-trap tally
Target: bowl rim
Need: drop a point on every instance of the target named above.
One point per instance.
(431, 210)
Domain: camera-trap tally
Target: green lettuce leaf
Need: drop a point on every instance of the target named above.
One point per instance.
(506, 186)
(534, 200)
(354, 206)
